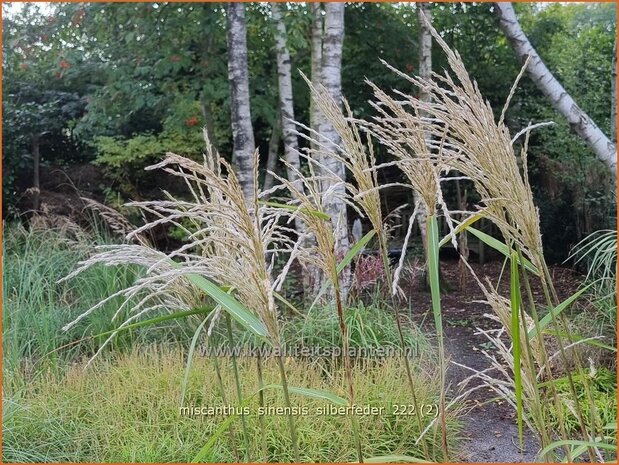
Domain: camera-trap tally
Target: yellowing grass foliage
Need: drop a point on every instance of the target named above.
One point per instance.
(126, 408)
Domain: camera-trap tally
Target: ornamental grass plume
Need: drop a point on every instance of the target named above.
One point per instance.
(408, 137)
(359, 159)
(455, 130)
(309, 202)
(404, 135)
(465, 137)
(232, 242)
(230, 239)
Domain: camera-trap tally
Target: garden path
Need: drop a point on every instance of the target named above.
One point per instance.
(489, 430)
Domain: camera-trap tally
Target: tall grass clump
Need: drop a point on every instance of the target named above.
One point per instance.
(226, 272)
(369, 326)
(309, 201)
(405, 136)
(455, 130)
(598, 252)
(227, 258)
(35, 305)
(359, 159)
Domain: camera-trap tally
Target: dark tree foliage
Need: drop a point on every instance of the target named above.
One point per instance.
(120, 84)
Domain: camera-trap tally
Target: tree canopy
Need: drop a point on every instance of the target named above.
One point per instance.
(120, 84)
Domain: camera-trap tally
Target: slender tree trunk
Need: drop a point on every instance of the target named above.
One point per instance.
(424, 10)
(425, 70)
(205, 104)
(332, 80)
(273, 154)
(286, 102)
(209, 123)
(316, 63)
(312, 278)
(36, 165)
(613, 100)
(463, 247)
(238, 75)
(562, 102)
(284, 72)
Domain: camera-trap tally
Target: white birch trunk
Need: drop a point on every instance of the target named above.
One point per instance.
(273, 155)
(562, 102)
(284, 79)
(238, 75)
(425, 70)
(316, 60)
(286, 102)
(332, 80)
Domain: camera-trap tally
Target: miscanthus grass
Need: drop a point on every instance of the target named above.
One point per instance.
(359, 159)
(232, 243)
(465, 137)
(309, 201)
(405, 135)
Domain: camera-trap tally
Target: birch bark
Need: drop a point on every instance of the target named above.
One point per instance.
(425, 70)
(316, 60)
(284, 73)
(238, 75)
(579, 121)
(272, 157)
(331, 77)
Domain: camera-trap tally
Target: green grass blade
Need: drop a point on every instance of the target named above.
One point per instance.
(577, 443)
(192, 348)
(221, 429)
(307, 211)
(354, 250)
(154, 321)
(286, 302)
(358, 247)
(232, 306)
(139, 324)
(544, 322)
(393, 459)
(435, 291)
(515, 331)
(206, 449)
(577, 338)
(461, 227)
(433, 265)
(500, 247)
(578, 451)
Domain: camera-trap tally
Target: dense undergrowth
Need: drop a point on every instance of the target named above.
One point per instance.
(126, 409)
(126, 406)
